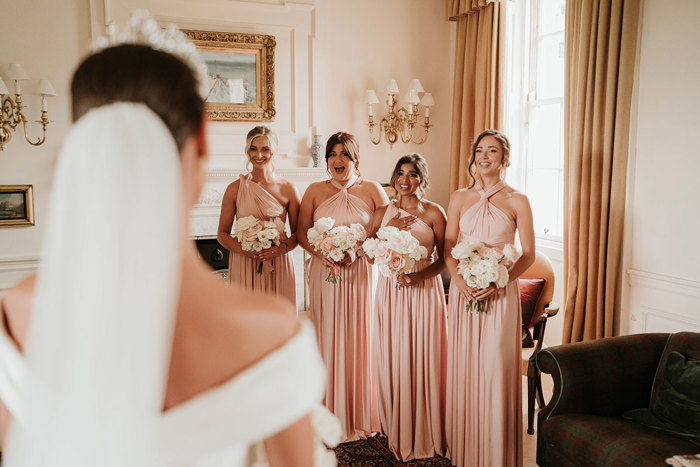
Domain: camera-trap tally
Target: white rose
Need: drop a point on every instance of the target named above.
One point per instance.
(502, 280)
(369, 246)
(385, 232)
(312, 235)
(244, 223)
(324, 224)
(336, 254)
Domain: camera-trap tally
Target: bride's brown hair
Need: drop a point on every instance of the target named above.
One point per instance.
(141, 74)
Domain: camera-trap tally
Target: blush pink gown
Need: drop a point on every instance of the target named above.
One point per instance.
(411, 353)
(254, 200)
(484, 417)
(341, 314)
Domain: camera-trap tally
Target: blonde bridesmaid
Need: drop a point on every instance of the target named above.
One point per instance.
(260, 193)
(341, 312)
(411, 332)
(484, 417)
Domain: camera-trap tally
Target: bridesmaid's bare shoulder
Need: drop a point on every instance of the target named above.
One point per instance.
(288, 189)
(376, 192)
(232, 189)
(434, 211)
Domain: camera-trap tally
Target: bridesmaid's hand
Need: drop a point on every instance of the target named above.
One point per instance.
(348, 259)
(483, 294)
(401, 223)
(327, 262)
(408, 280)
(272, 252)
(464, 289)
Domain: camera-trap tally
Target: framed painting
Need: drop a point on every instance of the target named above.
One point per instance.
(16, 205)
(241, 71)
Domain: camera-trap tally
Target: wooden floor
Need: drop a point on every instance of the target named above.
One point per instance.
(375, 451)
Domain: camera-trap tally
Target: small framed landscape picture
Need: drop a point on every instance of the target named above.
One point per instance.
(241, 73)
(16, 205)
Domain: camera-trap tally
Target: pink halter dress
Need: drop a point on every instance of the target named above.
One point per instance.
(341, 314)
(254, 200)
(411, 355)
(484, 418)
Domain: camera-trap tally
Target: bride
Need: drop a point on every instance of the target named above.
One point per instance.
(136, 354)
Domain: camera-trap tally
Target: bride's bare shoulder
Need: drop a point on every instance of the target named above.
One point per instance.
(16, 306)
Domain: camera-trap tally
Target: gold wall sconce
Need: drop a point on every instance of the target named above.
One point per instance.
(398, 123)
(11, 115)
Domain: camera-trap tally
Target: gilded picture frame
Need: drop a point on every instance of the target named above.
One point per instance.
(241, 69)
(16, 205)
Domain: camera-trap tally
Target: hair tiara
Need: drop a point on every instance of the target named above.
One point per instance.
(141, 29)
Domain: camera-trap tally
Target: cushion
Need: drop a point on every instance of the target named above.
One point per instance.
(593, 440)
(530, 290)
(676, 408)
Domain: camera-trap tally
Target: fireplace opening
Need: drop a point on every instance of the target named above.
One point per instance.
(215, 255)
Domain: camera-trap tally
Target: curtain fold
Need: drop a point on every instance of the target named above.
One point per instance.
(601, 44)
(457, 8)
(477, 102)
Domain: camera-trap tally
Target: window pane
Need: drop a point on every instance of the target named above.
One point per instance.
(544, 192)
(544, 137)
(550, 66)
(551, 16)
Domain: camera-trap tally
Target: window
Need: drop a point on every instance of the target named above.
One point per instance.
(535, 110)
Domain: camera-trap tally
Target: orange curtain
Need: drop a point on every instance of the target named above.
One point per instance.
(479, 58)
(601, 44)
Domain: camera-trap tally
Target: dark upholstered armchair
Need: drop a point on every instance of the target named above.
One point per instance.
(594, 383)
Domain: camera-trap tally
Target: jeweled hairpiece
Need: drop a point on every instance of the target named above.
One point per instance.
(143, 30)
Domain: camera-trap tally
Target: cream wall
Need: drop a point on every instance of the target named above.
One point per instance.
(365, 43)
(662, 264)
(46, 37)
(328, 53)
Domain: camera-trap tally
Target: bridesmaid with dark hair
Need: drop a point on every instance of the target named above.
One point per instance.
(411, 334)
(261, 193)
(341, 312)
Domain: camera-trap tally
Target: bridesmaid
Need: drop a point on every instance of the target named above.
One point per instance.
(341, 312)
(411, 345)
(484, 417)
(254, 194)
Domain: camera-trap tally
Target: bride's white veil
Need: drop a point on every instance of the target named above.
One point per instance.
(101, 329)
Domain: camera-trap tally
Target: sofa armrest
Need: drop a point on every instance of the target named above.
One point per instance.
(602, 377)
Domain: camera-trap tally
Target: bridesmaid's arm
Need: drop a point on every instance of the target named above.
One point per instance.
(526, 232)
(451, 238)
(228, 214)
(293, 217)
(306, 221)
(377, 220)
(439, 221)
(292, 446)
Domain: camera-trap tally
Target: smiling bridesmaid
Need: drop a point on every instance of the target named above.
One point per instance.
(411, 334)
(341, 312)
(260, 193)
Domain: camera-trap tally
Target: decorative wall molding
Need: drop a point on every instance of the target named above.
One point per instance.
(668, 283)
(661, 303)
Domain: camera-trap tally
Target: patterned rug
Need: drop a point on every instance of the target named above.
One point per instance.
(375, 451)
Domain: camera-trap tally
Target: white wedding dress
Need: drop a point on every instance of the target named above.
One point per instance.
(88, 388)
(220, 426)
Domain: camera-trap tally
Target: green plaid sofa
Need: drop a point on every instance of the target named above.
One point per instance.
(594, 383)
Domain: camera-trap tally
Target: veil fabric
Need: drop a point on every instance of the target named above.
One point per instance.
(101, 330)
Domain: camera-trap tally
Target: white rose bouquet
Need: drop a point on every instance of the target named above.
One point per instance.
(256, 235)
(335, 242)
(394, 251)
(480, 266)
